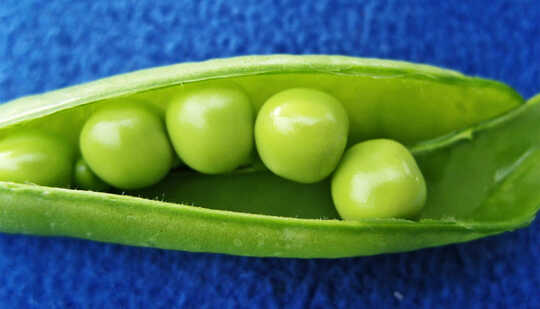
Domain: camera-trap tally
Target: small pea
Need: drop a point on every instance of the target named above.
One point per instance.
(36, 157)
(85, 179)
(211, 128)
(126, 146)
(301, 134)
(378, 179)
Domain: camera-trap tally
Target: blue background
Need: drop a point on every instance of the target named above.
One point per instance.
(45, 45)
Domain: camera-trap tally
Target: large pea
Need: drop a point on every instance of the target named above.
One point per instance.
(211, 128)
(301, 134)
(126, 146)
(378, 179)
(36, 157)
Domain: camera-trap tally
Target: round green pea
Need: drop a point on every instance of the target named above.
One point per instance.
(211, 128)
(126, 146)
(36, 157)
(378, 179)
(301, 134)
(85, 179)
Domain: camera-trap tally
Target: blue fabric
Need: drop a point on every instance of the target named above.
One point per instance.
(45, 45)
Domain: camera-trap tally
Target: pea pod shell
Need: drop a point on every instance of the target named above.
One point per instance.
(456, 210)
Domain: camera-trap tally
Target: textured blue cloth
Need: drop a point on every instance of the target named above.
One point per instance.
(46, 45)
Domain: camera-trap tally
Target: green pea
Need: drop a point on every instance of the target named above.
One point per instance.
(84, 178)
(36, 157)
(211, 128)
(126, 146)
(301, 134)
(378, 179)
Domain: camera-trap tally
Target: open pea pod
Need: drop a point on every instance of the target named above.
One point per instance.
(474, 140)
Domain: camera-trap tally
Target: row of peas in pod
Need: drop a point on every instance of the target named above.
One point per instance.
(299, 134)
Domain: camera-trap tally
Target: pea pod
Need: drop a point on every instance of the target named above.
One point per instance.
(474, 140)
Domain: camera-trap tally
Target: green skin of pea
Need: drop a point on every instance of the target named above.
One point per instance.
(85, 179)
(36, 157)
(301, 134)
(211, 129)
(378, 179)
(126, 146)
